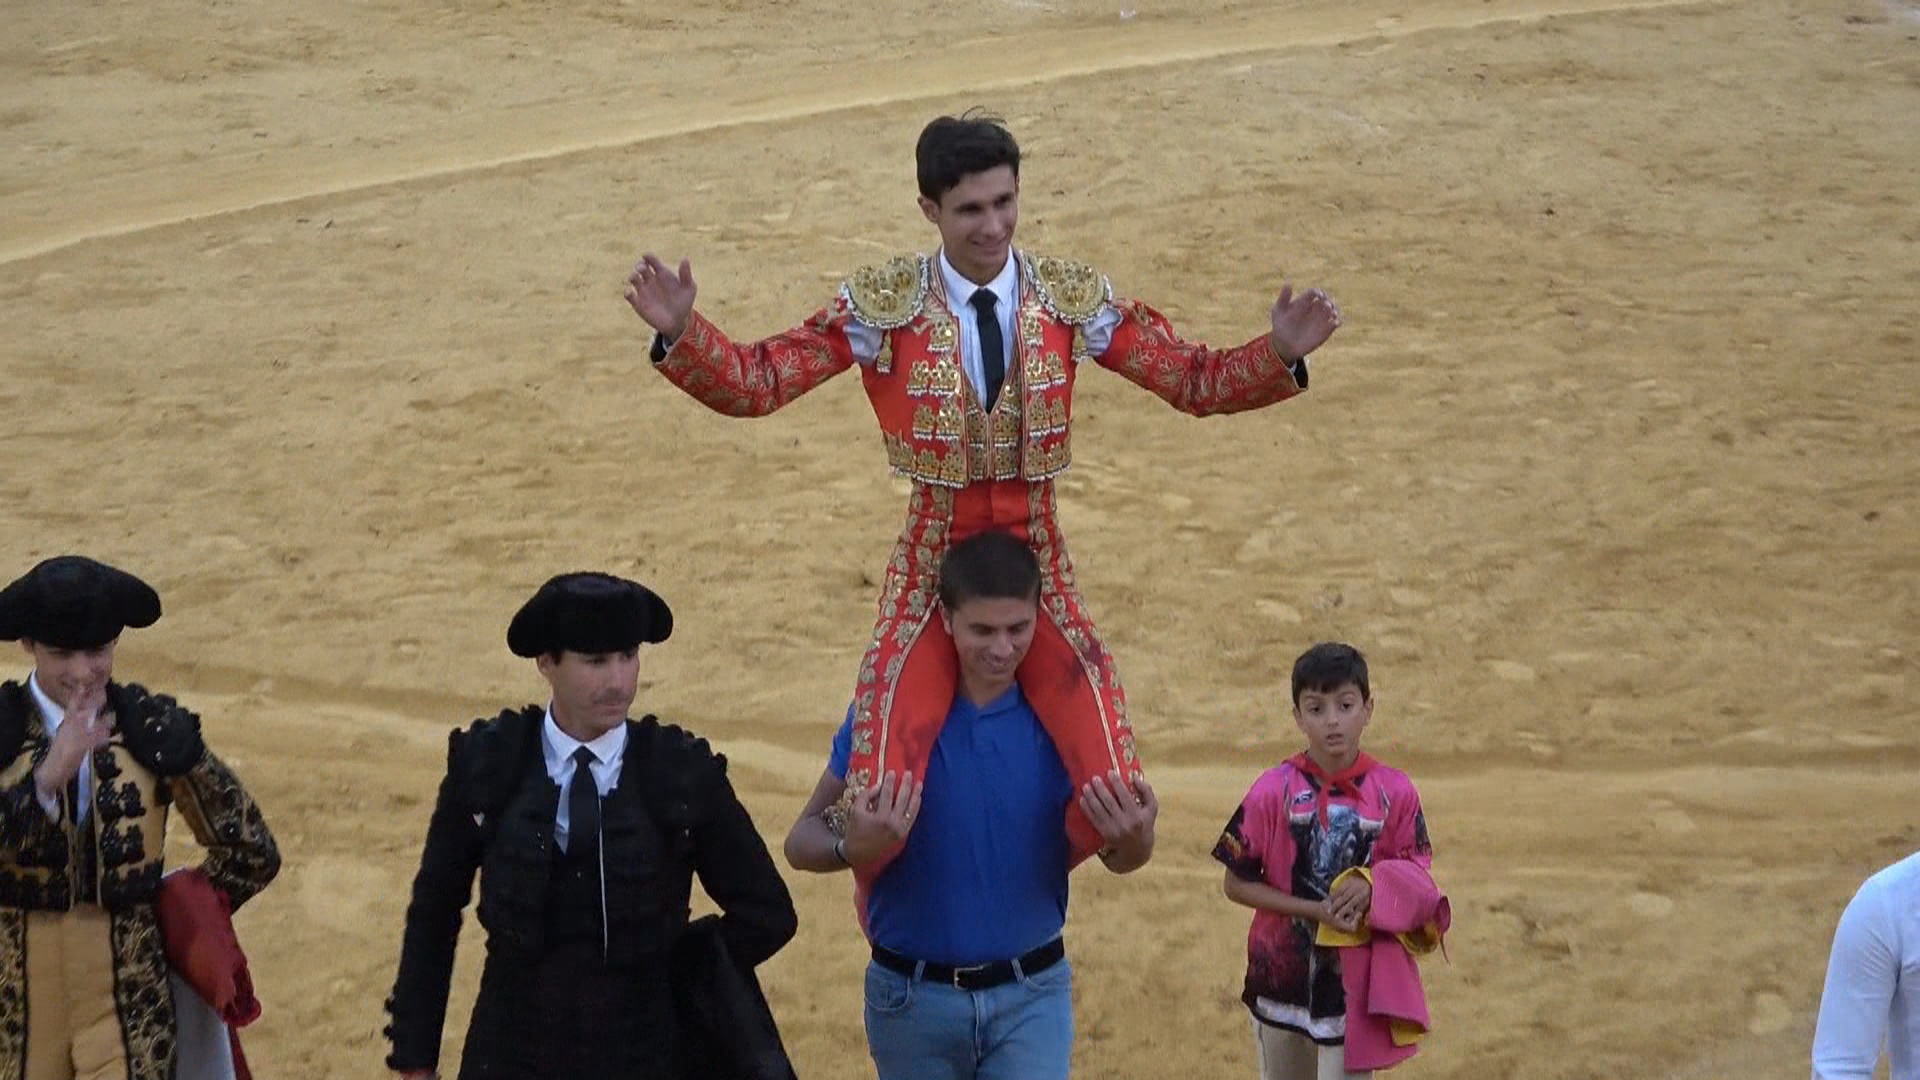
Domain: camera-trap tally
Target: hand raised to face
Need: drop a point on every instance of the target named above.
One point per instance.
(82, 732)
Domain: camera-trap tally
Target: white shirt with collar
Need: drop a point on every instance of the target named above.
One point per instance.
(1005, 288)
(55, 716)
(865, 340)
(559, 747)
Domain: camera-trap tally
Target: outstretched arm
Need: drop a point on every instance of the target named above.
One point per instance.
(1202, 381)
(736, 380)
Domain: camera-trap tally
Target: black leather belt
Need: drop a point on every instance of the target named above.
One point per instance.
(975, 976)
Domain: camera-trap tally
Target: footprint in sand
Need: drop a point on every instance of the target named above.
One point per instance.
(1672, 820)
(1408, 598)
(1278, 612)
(1511, 671)
(1650, 905)
(1770, 1014)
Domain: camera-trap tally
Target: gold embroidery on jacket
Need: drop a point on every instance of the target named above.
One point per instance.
(132, 824)
(1075, 292)
(141, 993)
(13, 991)
(888, 295)
(943, 334)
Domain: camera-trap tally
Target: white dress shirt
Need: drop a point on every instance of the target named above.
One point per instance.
(865, 340)
(559, 747)
(1006, 300)
(55, 716)
(1872, 997)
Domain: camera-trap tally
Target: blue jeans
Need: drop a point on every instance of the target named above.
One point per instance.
(921, 1030)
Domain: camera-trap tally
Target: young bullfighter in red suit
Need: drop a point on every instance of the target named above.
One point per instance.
(969, 358)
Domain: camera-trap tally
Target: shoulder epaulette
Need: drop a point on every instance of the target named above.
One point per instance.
(161, 733)
(488, 756)
(888, 295)
(681, 747)
(13, 721)
(1072, 291)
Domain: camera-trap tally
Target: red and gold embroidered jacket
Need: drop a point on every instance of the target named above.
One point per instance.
(931, 421)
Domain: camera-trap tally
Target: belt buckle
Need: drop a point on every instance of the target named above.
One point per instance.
(960, 973)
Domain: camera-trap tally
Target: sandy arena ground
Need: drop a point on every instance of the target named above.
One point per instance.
(312, 316)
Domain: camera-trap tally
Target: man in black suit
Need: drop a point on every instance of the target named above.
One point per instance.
(587, 829)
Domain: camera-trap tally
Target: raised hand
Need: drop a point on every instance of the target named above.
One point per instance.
(82, 732)
(1304, 322)
(661, 295)
(880, 818)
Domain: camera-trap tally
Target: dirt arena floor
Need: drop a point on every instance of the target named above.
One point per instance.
(312, 316)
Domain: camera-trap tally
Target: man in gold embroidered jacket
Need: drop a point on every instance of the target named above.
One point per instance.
(969, 359)
(88, 769)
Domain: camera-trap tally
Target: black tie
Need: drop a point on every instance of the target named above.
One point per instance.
(993, 348)
(583, 807)
(87, 863)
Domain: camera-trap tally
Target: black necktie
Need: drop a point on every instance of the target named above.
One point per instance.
(86, 850)
(583, 807)
(993, 347)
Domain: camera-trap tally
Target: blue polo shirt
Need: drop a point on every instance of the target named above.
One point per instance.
(984, 873)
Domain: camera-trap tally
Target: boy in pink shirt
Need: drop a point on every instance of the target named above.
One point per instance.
(1320, 812)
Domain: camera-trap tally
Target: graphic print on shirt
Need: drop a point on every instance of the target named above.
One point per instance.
(1233, 850)
(1296, 832)
(1324, 850)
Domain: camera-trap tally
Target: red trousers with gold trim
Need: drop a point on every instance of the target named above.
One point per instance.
(910, 672)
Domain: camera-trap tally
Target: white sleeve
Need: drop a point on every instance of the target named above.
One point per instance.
(864, 340)
(1856, 1004)
(1099, 330)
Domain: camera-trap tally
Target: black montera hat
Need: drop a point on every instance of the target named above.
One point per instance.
(589, 613)
(73, 602)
